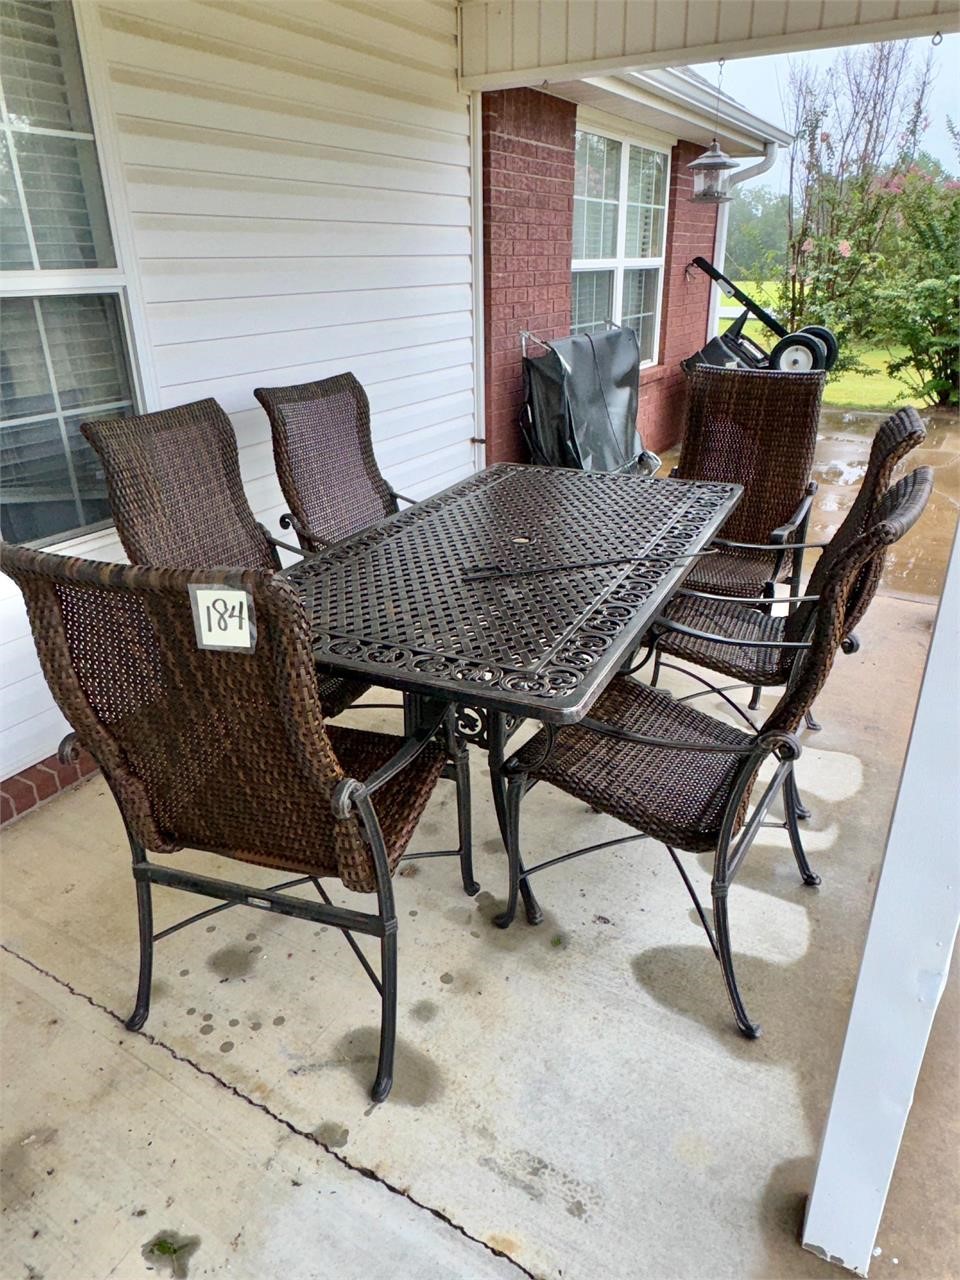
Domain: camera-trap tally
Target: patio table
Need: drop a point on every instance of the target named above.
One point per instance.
(516, 593)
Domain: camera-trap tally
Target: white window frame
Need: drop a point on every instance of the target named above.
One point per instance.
(119, 281)
(620, 263)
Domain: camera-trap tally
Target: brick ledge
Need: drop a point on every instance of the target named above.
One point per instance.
(41, 782)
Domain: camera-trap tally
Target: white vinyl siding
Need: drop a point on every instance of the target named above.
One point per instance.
(296, 178)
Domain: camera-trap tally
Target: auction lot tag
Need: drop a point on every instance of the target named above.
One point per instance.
(223, 618)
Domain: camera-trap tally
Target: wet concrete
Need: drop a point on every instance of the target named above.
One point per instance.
(914, 567)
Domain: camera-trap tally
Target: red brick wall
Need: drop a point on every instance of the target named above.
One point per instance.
(528, 163)
(528, 172)
(39, 783)
(686, 304)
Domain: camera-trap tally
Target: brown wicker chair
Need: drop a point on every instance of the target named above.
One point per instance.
(685, 778)
(227, 751)
(740, 639)
(758, 428)
(173, 479)
(325, 461)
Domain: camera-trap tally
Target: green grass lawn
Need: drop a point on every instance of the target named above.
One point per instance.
(875, 390)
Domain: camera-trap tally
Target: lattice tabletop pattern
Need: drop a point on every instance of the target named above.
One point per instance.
(396, 603)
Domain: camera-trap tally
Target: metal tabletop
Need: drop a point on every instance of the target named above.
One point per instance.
(393, 604)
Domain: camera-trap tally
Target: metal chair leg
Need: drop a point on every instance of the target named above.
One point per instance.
(388, 1013)
(755, 697)
(655, 676)
(464, 822)
(145, 922)
(792, 810)
(813, 725)
(721, 922)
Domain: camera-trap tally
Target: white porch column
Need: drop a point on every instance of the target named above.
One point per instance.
(906, 959)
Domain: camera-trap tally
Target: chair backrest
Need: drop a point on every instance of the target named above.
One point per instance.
(893, 516)
(224, 751)
(894, 439)
(758, 428)
(324, 455)
(173, 479)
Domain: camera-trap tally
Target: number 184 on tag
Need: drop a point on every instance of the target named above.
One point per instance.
(223, 618)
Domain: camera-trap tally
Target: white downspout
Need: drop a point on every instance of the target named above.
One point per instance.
(770, 150)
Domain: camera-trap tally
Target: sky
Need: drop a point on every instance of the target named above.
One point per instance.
(760, 84)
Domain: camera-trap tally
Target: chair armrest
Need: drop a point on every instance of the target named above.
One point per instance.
(775, 547)
(305, 534)
(799, 517)
(276, 542)
(764, 600)
(763, 742)
(351, 790)
(678, 628)
(400, 497)
(669, 744)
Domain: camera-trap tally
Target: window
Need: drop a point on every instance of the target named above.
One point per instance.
(63, 327)
(619, 233)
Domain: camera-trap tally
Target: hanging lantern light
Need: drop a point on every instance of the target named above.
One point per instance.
(711, 171)
(711, 175)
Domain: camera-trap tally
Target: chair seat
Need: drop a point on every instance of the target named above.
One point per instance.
(736, 573)
(673, 795)
(199, 812)
(337, 692)
(737, 622)
(401, 801)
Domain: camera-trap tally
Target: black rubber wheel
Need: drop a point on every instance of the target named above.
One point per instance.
(799, 353)
(828, 338)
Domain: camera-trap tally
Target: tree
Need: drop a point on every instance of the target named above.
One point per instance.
(857, 128)
(757, 234)
(917, 303)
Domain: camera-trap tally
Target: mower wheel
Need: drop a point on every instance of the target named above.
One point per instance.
(799, 353)
(828, 339)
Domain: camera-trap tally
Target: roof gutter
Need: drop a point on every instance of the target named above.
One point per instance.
(708, 101)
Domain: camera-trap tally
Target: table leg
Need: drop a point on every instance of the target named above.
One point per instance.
(497, 735)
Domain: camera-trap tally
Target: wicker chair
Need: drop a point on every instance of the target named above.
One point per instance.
(758, 428)
(325, 461)
(173, 479)
(740, 639)
(685, 778)
(227, 751)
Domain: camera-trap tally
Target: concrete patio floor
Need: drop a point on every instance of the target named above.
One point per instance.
(571, 1101)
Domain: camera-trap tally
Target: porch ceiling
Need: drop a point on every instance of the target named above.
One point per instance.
(510, 43)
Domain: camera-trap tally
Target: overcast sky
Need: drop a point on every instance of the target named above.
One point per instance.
(760, 85)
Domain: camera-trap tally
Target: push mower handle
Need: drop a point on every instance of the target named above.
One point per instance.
(739, 296)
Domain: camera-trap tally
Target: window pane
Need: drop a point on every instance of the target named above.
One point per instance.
(592, 300)
(43, 88)
(50, 480)
(65, 203)
(13, 232)
(85, 341)
(38, 497)
(25, 388)
(640, 290)
(596, 196)
(40, 66)
(646, 201)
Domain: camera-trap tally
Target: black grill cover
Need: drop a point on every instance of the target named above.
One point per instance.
(580, 405)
